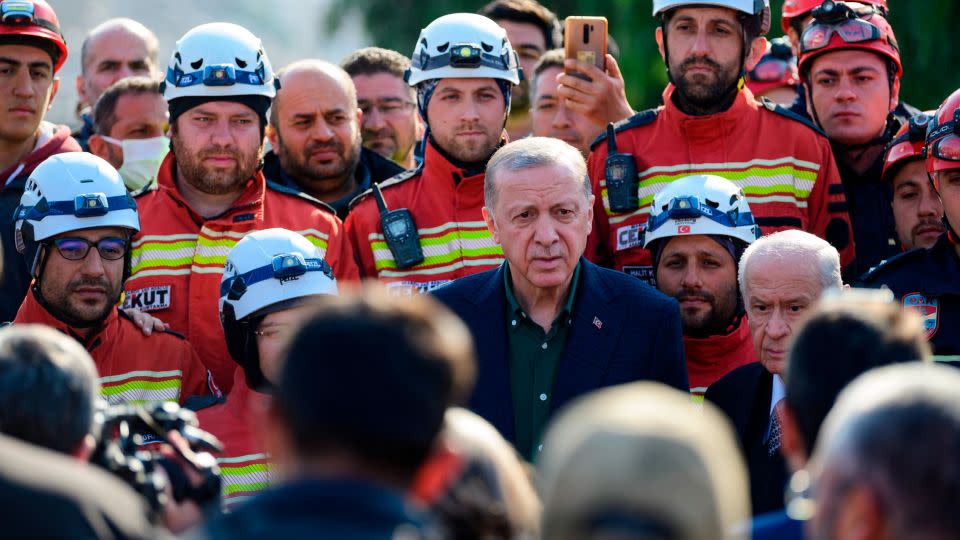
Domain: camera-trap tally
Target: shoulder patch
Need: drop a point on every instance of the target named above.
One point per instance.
(300, 195)
(642, 118)
(392, 181)
(783, 111)
(893, 263)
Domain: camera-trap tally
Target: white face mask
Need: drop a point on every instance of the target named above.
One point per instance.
(141, 159)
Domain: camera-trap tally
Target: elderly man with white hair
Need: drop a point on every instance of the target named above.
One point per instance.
(548, 324)
(781, 277)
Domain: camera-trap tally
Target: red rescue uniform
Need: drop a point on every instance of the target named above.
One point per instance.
(709, 359)
(178, 255)
(244, 468)
(132, 367)
(784, 166)
(445, 203)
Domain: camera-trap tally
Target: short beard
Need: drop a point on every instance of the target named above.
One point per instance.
(309, 176)
(57, 301)
(717, 320)
(470, 153)
(221, 182)
(706, 97)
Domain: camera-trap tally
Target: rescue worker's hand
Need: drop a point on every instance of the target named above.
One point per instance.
(603, 99)
(147, 323)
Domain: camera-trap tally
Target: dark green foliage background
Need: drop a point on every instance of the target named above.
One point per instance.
(924, 29)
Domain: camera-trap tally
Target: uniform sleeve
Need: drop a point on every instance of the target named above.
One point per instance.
(357, 232)
(670, 364)
(196, 380)
(827, 208)
(597, 250)
(340, 254)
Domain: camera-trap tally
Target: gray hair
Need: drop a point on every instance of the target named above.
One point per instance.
(131, 26)
(48, 388)
(795, 244)
(531, 153)
(896, 431)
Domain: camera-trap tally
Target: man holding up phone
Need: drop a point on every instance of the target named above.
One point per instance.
(711, 124)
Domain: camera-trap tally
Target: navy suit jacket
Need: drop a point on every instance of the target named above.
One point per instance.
(623, 330)
(744, 395)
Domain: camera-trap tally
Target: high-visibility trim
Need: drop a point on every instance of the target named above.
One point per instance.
(242, 459)
(243, 477)
(141, 374)
(785, 180)
(207, 252)
(140, 384)
(229, 488)
(444, 248)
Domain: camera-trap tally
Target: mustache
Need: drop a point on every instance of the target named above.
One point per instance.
(693, 293)
(333, 145)
(385, 131)
(88, 282)
(925, 223)
(475, 126)
(701, 60)
(220, 150)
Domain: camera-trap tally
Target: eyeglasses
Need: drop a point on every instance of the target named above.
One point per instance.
(75, 249)
(274, 332)
(393, 107)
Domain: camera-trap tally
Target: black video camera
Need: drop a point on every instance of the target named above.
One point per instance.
(128, 439)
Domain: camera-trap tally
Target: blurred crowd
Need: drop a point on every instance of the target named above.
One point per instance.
(472, 292)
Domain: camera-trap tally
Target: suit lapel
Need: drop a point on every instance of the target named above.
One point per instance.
(491, 396)
(594, 333)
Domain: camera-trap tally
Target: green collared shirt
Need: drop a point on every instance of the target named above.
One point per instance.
(534, 356)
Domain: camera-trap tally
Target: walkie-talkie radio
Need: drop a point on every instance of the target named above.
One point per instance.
(400, 232)
(621, 174)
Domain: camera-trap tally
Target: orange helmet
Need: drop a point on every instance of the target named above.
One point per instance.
(907, 144)
(776, 69)
(36, 21)
(800, 8)
(837, 26)
(942, 149)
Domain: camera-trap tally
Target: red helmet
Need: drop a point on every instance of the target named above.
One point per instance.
(943, 136)
(836, 26)
(799, 8)
(34, 18)
(777, 68)
(907, 144)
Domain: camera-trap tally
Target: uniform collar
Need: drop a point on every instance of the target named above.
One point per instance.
(436, 163)
(250, 201)
(743, 105)
(33, 312)
(717, 349)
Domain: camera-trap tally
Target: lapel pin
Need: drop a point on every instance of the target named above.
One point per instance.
(598, 323)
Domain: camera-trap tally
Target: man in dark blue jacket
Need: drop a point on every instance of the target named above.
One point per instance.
(347, 437)
(549, 325)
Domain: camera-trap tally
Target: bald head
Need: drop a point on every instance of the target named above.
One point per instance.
(314, 74)
(114, 50)
(315, 128)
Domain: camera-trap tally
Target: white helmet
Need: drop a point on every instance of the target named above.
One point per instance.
(70, 192)
(216, 60)
(463, 45)
(701, 204)
(759, 8)
(266, 271)
(271, 267)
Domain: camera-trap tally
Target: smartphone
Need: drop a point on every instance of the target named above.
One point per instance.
(585, 39)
